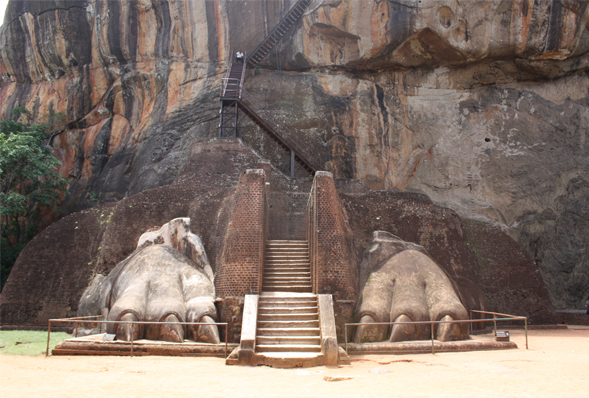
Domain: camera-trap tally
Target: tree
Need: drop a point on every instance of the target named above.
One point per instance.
(29, 184)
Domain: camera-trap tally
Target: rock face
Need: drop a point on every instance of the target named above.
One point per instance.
(482, 105)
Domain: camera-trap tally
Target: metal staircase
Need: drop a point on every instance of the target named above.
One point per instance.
(230, 96)
(234, 98)
(278, 32)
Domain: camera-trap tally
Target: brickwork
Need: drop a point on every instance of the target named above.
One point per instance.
(334, 264)
(230, 310)
(241, 261)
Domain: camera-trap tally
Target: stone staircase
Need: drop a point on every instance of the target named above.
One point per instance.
(287, 325)
(288, 330)
(287, 267)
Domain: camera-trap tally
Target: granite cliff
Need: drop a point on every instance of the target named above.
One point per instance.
(481, 105)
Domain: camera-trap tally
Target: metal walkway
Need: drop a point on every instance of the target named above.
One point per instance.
(234, 98)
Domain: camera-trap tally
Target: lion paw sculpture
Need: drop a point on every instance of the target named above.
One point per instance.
(167, 279)
(403, 284)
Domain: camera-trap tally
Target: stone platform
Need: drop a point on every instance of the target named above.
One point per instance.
(95, 345)
(475, 343)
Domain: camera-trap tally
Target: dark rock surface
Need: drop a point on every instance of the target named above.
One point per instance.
(482, 105)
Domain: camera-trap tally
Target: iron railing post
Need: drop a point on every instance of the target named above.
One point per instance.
(432, 329)
(471, 322)
(526, 327)
(131, 339)
(48, 337)
(236, 120)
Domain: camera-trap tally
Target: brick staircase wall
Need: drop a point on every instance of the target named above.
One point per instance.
(240, 266)
(331, 247)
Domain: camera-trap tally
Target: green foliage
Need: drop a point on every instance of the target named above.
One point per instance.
(29, 342)
(94, 197)
(29, 184)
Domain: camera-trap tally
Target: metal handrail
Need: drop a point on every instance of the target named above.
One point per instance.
(95, 319)
(431, 323)
(283, 132)
(226, 79)
(227, 73)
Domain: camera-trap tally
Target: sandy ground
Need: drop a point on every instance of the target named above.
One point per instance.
(556, 365)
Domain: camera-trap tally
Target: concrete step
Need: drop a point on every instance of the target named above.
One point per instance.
(277, 276)
(292, 248)
(280, 279)
(283, 242)
(293, 331)
(288, 340)
(290, 310)
(288, 317)
(302, 251)
(270, 324)
(284, 281)
(286, 256)
(288, 296)
(289, 359)
(287, 283)
(276, 304)
(282, 249)
(284, 289)
(288, 348)
(286, 270)
(288, 264)
(295, 256)
(281, 273)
